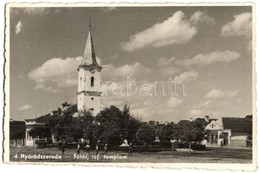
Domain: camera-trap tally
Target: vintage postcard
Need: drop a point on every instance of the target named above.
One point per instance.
(168, 86)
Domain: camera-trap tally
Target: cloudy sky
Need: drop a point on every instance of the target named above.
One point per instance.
(207, 49)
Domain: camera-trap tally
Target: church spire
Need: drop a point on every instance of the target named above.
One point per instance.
(89, 53)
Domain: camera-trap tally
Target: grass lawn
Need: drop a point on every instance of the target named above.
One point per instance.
(211, 155)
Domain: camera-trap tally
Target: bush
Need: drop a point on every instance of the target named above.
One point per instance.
(41, 143)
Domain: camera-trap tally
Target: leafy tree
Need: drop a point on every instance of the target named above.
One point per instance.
(183, 131)
(166, 133)
(249, 117)
(40, 132)
(187, 131)
(17, 130)
(68, 127)
(125, 120)
(109, 124)
(133, 126)
(146, 134)
(65, 104)
(198, 128)
(117, 125)
(86, 120)
(110, 133)
(130, 124)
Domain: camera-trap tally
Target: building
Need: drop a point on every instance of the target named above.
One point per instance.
(17, 133)
(229, 131)
(89, 80)
(29, 124)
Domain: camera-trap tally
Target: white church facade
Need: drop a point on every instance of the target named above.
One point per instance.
(89, 80)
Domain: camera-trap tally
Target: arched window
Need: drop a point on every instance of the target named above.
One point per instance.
(92, 81)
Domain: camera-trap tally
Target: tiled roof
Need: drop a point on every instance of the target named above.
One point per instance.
(237, 124)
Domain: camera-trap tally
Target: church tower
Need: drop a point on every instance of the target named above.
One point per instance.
(89, 80)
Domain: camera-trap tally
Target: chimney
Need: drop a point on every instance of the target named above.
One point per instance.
(207, 118)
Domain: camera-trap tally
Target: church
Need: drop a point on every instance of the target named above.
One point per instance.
(89, 88)
(89, 80)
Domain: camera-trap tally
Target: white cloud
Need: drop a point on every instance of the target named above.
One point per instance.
(18, 27)
(107, 101)
(240, 26)
(232, 93)
(201, 17)
(142, 112)
(218, 93)
(194, 112)
(49, 89)
(168, 71)
(25, 107)
(215, 93)
(174, 102)
(174, 30)
(68, 83)
(213, 57)
(131, 70)
(35, 10)
(55, 67)
(187, 76)
(165, 61)
(58, 71)
(206, 103)
(113, 88)
(166, 67)
(135, 70)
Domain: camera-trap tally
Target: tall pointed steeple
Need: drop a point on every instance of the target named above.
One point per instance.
(89, 80)
(89, 57)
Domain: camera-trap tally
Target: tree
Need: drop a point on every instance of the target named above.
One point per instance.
(146, 134)
(86, 120)
(198, 128)
(133, 126)
(65, 104)
(68, 127)
(249, 117)
(125, 120)
(130, 124)
(17, 130)
(187, 131)
(179, 131)
(110, 133)
(110, 124)
(166, 133)
(40, 132)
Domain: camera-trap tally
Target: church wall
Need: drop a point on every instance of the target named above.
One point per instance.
(95, 104)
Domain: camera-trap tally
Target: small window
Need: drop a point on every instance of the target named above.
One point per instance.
(92, 98)
(92, 109)
(92, 81)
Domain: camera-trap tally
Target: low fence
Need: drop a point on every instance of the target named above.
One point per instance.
(135, 148)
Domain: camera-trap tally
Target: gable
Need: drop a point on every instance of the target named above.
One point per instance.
(214, 125)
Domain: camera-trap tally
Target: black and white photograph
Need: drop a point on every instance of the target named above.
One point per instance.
(123, 84)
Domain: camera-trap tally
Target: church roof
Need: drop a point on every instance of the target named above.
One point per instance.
(89, 57)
